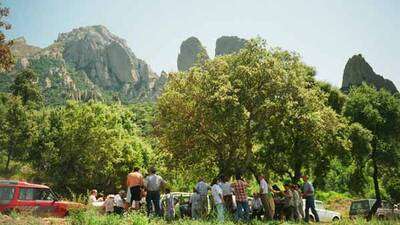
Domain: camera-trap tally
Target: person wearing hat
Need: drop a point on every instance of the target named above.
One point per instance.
(308, 194)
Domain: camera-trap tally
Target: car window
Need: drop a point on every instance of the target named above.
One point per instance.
(364, 205)
(35, 194)
(6, 195)
(319, 205)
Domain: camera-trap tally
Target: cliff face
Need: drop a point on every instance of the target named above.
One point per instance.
(229, 44)
(357, 71)
(88, 63)
(191, 52)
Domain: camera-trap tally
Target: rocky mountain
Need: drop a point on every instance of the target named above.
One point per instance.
(87, 63)
(191, 52)
(357, 71)
(21, 49)
(228, 45)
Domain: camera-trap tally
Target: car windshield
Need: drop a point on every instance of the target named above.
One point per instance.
(6, 195)
(364, 205)
(35, 194)
(319, 205)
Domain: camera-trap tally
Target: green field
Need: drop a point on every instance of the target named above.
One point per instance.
(94, 218)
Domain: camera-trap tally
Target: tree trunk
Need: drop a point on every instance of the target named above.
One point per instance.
(297, 173)
(376, 187)
(7, 168)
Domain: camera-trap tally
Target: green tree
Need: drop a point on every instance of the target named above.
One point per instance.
(15, 130)
(6, 59)
(87, 145)
(25, 85)
(221, 115)
(379, 112)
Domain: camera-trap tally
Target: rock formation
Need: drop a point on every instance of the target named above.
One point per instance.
(21, 49)
(88, 63)
(191, 52)
(357, 71)
(228, 45)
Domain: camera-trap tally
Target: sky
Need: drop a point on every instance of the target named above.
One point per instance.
(324, 33)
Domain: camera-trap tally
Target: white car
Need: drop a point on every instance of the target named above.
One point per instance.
(324, 214)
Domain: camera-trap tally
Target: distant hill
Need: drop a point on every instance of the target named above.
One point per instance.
(357, 71)
(86, 63)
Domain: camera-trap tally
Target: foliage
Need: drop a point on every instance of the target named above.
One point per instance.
(379, 112)
(6, 59)
(223, 114)
(25, 86)
(82, 146)
(16, 133)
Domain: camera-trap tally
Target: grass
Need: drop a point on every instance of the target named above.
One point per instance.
(91, 217)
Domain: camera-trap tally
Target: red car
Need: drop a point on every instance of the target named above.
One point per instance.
(38, 199)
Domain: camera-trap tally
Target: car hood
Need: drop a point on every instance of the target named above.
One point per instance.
(69, 204)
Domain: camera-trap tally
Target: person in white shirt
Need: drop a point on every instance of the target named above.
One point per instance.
(153, 184)
(202, 188)
(216, 192)
(109, 204)
(266, 199)
(119, 203)
(92, 197)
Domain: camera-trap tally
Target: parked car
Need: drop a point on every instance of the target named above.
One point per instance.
(324, 214)
(38, 199)
(363, 207)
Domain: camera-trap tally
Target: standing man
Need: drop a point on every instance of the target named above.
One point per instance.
(202, 189)
(218, 197)
(239, 188)
(227, 192)
(135, 184)
(266, 199)
(308, 194)
(153, 184)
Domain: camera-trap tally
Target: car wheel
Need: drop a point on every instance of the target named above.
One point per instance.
(335, 219)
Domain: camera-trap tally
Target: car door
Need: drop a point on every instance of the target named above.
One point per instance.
(45, 202)
(322, 214)
(26, 202)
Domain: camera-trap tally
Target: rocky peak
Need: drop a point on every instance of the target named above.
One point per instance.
(104, 57)
(21, 49)
(357, 71)
(191, 52)
(228, 45)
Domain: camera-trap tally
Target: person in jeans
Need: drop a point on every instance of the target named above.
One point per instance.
(135, 182)
(227, 192)
(153, 184)
(217, 195)
(194, 202)
(202, 189)
(239, 188)
(308, 194)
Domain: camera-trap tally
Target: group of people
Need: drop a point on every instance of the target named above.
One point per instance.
(268, 203)
(227, 198)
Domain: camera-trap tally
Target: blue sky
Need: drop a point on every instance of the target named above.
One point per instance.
(325, 33)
